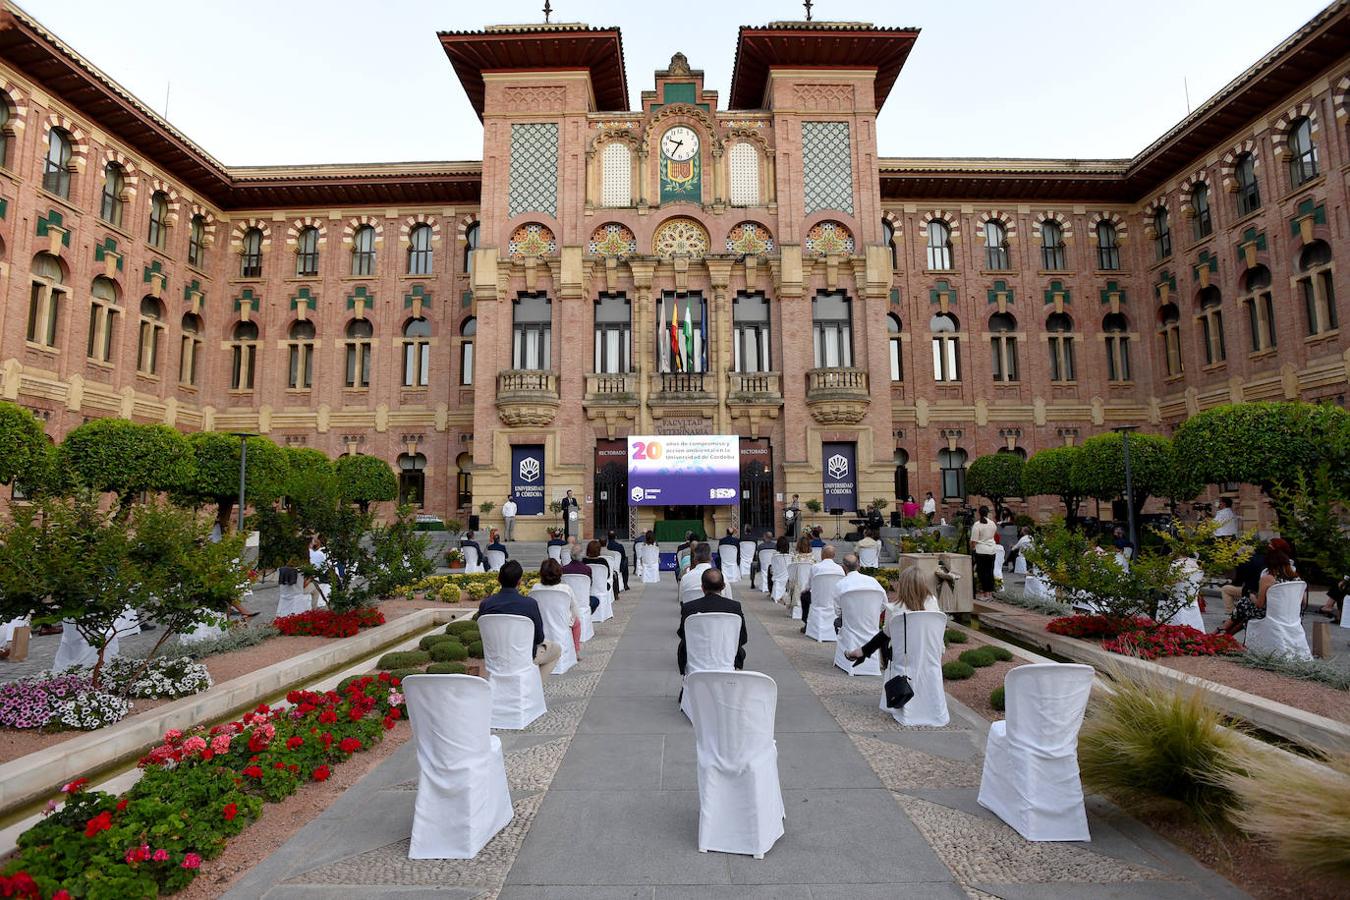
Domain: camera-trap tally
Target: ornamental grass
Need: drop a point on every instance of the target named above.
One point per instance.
(1305, 818)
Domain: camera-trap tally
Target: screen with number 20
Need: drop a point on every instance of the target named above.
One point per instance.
(683, 470)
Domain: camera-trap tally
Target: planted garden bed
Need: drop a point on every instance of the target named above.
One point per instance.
(974, 689)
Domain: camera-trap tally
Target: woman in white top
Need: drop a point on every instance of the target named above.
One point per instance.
(984, 544)
(913, 593)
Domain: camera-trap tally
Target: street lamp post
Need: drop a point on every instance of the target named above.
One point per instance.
(1129, 480)
(243, 471)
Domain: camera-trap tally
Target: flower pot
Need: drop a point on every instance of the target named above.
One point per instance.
(456, 564)
(419, 596)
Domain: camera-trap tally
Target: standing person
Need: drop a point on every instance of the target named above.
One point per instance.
(509, 601)
(929, 507)
(570, 508)
(509, 518)
(793, 513)
(909, 509)
(1226, 519)
(983, 545)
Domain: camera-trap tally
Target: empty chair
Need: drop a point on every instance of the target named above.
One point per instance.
(1030, 777)
(462, 795)
(710, 644)
(765, 564)
(799, 582)
(868, 558)
(495, 560)
(1187, 589)
(740, 799)
(555, 552)
(1035, 588)
(820, 620)
(729, 560)
(999, 554)
(602, 587)
(615, 567)
(650, 557)
(74, 650)
(580, 586)
(508, 653)
(471, 560)
(779, 569)
(555, 607)
(1281, 631)
(747, 556)
(916, 651)
(862, 616)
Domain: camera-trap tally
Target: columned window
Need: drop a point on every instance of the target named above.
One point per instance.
(466, 334)
(532, 333)
(416, 353)
(1169, 332)
(894, 345)
(681, 333)
(244, 356)
(1117, 347)
(750, 347)
(250, 265)
(1260, 306)
(613, 335)
(1060, 328)
(1248, 191)
(150, 336)
(952, 464)
(832, 325)
(363, 251)
(191, 349)
(996, 246)
(470, 245)
(1302, 153)
(1052, 246)
(1315, 285)
(307, 251)
(158, 231)
(196, 241)
(946, 347)
(1211, 325)
(1108, 246)
(1003, 346)
(360, 342)
(939, 245)
(412, 480)
(419, 250)
(1162, 231)
(300, 343)
(103, 314)
(114, 184)
(45, 300)
(56, 166)
(888, 238)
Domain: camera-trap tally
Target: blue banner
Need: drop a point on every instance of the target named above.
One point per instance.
(839, 476)
(527, 479)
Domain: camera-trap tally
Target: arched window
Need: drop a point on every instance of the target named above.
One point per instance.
(743, 167)
(363, 251)
(1060, 329)
(832, 327)
(412, 479)
(1302, 152)
(419, 250)
(996, 246)
(946, 344)
(45, 300)
(613, 335)
(939, 245)
(1248, 191)
(1211, 325)
(463, 481)
(1204, 221)
(470, 245)
(616, 175)
(750, 322)
(1003, 346)
(1162, 231)
(952, 464)
(1260, 306)
(151, 331)
(103, 314)
(360, 340)
(251, 260)
(300, 347)
(888, 238)
(894, 345)
(1314, 281)
(466, 334)
(244, 353)
(1108, 246)
(416, 353)
(901, 476)
(1117, 347)
(114, 183)
(1052, 246)
(196, 241)
(56, 167)
(190, 348)
(1169, 331)
(307, 251)
(159, 212)
(6, 138)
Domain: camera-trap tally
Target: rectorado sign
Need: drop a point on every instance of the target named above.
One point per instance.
(683, 470)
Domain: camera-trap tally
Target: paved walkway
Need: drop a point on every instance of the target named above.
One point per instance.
(606, 800)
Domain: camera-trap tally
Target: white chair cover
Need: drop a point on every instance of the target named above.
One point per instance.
(1030, 775)
(7, 628)
(729, 558)
(555, 552)
(74, 650)
(495, 560)
(1188, 589)
(765, 563)
(779, 569)
(999, 554)
(862, 619)
(1035, 588)
(1345, 614)
(799, 582)
(747, 556)
(710, 642)
(1281, 631)
(923, 664)
(294, 599)
(650, 555)
(508, 653)
(210, 626)
(817, 553)
(602, 587)
(463, 798)
(820, 620)
(615, 567)
(555, 607)
(580, 586)
(1020, 564)
(470, 560)
(740, 799)
(129, 622)
(691, 591)
(868, 558)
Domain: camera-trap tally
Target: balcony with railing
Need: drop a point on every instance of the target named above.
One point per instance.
(683, 387)
(612, 388)
(755, 388)
(837, 396)
(527, 397)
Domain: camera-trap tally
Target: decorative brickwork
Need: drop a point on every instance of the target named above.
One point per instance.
(827, 167)
(534, 169)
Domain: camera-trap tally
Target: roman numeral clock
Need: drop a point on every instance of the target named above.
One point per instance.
(681, 171)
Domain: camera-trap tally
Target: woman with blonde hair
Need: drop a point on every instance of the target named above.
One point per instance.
(914, 591)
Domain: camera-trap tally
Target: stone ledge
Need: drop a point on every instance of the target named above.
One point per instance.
(38, 775)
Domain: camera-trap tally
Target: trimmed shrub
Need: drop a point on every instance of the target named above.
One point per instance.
(1304, 818)
(952, 636)
(403, 659)
(401, 674)
(127, 458)
(476, 649)
(956, 670)
(365, 479)
(447, 668)
(450, 651)
(460, 626)
(978, 658)
(996, 476)
(432, 640)
(998, 653)
(996, 698)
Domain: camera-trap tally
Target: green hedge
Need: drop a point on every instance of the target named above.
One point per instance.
(404, 673)
(996, 698)
(403, 659)
(998, 653)
(977, 658)
(955, 670)
(449, 651)
(432, 640)
(447, 668)
(476, 649)
(953, 636)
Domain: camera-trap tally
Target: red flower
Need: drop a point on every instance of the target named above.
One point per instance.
(122, 805)
(395, 713)
(207, 756)
(62, 894)
(293, 742)
(21, 884)
(278, 765)
(75, 786)
(100, 822)
(253, 772)
(388, 723)
(320, 774)
(327, 717)
(384, 676)
(229, 812)
(327, 739)
(349, 745)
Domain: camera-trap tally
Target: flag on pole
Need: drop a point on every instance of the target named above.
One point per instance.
(703, 340)
(688, 339)
(674, 335)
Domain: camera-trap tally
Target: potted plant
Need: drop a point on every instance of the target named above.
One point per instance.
(454, 558)
(486, 507)
(879, 504)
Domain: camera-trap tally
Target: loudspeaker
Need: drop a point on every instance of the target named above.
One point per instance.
(473, 521)
(895, 518)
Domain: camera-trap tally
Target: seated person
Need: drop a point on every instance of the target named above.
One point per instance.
(574, 566)
(1279, 568)
(768, 543)
(468, 541)
(816, 539)
(555, 538)
(729, 539)
(868, 540)
(593, 557)
(713, 601)
(614, 545)
(498, 545)
(550, 575)
(510, 601)
(826, 566)
(913, 593)
(691, 581)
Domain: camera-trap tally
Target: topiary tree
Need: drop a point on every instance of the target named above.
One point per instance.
(364, 480)
(217, 473)
(1100, 469)
(996, 476)
(126, 458)
(1264, 443)
(25, 452)
(1049, 472)
(307, 468)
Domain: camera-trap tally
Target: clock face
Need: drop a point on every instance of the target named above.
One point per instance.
(679, 143)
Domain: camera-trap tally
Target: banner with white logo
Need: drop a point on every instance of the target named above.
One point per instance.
(683, 470)
(839, 476)
(527, 478)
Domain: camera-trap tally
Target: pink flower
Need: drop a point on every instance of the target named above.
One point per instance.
(194, 744)
(161, 855)
(221, 743)
(395, 698)
(192, 861)
(51, 808)
(172, 734)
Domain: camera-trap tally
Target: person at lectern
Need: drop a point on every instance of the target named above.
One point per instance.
(571, 512)
(793, 516)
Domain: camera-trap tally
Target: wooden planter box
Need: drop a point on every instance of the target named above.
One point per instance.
(962, 600)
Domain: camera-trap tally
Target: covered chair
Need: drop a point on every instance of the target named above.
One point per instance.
(471, 562)
(555, 552)
(710, 644)
(765, 564)
(747, 556)
(1281, 631)
(1035, 588)
(294, 599)
(1187, 590)
(1030, 775)
(495, 560)
(463, 798)
(916, 651)
(729, 560)
(862, 617)
(740, 799)
(555, 607)
(615, 568)
(210, 626)
(580, 586)
(868, 558)
(649, 559)
(779, 570)
(820, 620)
(602, 587)
(817, 554)
(799, 582)
(508, 653)
(74, 650)
(999, 555)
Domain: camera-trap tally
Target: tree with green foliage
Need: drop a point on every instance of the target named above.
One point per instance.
(343, 528)
(126, 458)
(1049, 472)
(1100, 469)
(364, 480)
(399, 554)
(217, 472)
(1314, 513)
(307, 466)
(1265, 444)
(996, 476)
(25, 452)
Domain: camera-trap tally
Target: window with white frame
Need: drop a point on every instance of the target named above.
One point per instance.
(103, 313)
(532, 333)
(416, 353)
(307, 251)
(1059, 329)
(300, 345)
(46, 299)
(158, 231)
(112, 205)
(946, 347)
(1053, 257)
(151, 335)
(894, 345)
(363, 251)
(419, 250)
(1117, 330)
(751, 330)
(466, 335)
(1302, 152)
(939, 245)
(1260, 306)
(1315, 286)
(190, 349)
(832, 327)
(996, 246)
(360, 342)
(1003, 346)
(56, 165)
(613, 335)
(244, 356)
(1211, 325)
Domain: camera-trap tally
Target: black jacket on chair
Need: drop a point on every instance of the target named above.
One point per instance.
(711, 603)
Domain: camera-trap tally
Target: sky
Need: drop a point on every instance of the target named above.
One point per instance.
(276, 82)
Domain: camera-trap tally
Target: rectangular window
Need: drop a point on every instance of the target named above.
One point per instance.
(832, 324)
(1004, 351)
(945, 359)
(241, 376)
(897, 372)
(532, 333)
(750, 341)
(1117, 358)
(1061, 359)
(187, 362)
(466, 363)
(681, 335)
(613, 335)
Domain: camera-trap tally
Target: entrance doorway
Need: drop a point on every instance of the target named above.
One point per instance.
(756, 499)
(611, 499)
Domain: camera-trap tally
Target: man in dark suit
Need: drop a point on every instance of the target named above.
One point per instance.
(711, 602)
(613, 544)
(569, 506)
(468, 541)
(511, 602)
(729, 539)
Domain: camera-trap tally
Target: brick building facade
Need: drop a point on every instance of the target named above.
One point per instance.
(449, 317)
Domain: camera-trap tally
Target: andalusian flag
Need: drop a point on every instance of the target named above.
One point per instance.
(688, 338)
(675, 364)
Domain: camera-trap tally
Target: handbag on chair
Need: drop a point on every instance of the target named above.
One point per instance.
(898, 689)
